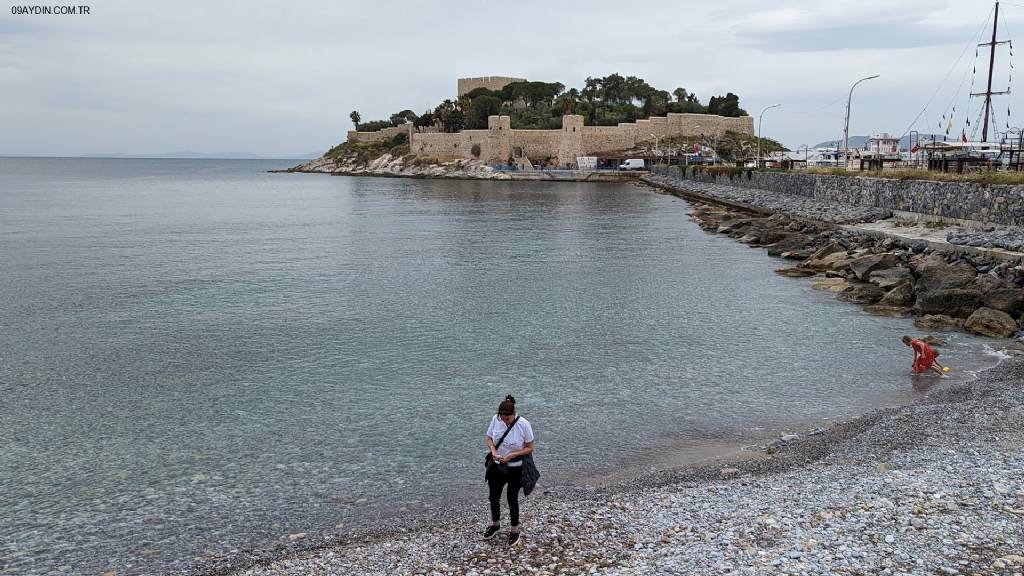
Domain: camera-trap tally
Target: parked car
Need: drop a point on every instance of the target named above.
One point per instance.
(632, 164)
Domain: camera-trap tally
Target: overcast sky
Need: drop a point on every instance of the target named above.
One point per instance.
(280, 78)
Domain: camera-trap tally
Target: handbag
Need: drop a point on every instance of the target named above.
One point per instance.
(530, 475)
(489, 463)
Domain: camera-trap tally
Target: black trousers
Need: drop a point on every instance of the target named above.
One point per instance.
(495, 482)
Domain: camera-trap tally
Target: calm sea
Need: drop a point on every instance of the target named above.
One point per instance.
(198, 356)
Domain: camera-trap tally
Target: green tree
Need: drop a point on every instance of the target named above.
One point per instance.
(399, 118)
(424, 120)
(356, 118)
(479, 109)
(728, 105)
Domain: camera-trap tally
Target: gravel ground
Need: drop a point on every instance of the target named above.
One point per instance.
(932, 488)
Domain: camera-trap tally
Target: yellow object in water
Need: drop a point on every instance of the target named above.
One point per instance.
(945, 368)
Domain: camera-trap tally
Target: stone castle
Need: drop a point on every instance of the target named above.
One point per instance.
(500, 144)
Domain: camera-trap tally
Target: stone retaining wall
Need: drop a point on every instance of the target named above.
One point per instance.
(982, 203)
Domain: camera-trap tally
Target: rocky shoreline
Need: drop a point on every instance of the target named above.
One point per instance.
(403, 167)
(978, 291)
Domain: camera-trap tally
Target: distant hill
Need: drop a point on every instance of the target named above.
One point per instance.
(190, 155)
(862, 141)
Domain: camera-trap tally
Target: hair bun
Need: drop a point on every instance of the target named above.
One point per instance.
(511, 398)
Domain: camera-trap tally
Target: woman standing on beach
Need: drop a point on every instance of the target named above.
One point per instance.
(509, 438)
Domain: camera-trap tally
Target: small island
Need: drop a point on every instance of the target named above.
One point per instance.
(502, 127)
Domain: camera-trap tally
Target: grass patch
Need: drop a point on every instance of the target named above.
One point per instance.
(984, 177)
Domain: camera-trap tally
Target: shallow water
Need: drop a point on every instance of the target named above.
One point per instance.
(200, 356)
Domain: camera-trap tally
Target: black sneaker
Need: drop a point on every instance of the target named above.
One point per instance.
(491, 532)
(513, 538)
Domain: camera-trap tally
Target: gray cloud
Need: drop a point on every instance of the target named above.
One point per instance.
(281, 78)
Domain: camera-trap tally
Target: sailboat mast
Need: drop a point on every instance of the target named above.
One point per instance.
(991, 65)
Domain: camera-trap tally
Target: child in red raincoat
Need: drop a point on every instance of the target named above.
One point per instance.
(924, 356)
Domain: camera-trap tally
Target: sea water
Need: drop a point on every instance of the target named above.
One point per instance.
(198, 356)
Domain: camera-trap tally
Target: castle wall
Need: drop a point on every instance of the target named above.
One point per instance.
(499, 142)
(494, 83)
(536, 144)
(382, 134)
(447, 145)
(607, 138)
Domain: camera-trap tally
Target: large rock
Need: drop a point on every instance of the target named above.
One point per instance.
(795, 272)
(771, 235)
(992, 323)
(833, 261)
(864, 265)
(935, 274)
(892, 311)
(830, 248)
(791, 243)
(831, 284)
(902, 295)
(733, 225)
(1009, 300)
(861, 293)
(937, 322)
(958, 303)
(986, 283)
(889, 277)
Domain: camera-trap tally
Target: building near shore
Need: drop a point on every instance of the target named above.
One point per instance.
(501, 144)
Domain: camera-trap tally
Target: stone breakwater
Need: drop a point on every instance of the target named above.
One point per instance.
(978, 292)
(983, 203)
(932, 488)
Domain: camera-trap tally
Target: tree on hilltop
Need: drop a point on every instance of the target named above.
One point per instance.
(356, 118)
(399, 118)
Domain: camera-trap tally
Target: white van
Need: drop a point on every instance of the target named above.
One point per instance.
(632, 164)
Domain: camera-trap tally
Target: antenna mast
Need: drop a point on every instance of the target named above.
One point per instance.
(988, 93)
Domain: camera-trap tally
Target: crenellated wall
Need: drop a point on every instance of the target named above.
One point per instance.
(495, 83)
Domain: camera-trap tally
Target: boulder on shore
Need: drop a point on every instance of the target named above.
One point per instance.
(861, 293)
(795, 272)
(959, 303)
(792, 243)
(932, 340)
(902, 295)
(864, 265)
(992, 323)
(889, 277)
(893, 311)
(1009, 300)
(935, 274)
(831, 284)
(833, 261)
(937, 322)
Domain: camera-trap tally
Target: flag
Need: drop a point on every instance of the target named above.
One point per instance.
(915, 149)
(963, 136)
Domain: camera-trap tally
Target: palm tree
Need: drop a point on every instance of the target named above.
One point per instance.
(356, 118)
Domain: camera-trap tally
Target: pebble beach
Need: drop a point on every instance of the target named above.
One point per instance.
(932, 488)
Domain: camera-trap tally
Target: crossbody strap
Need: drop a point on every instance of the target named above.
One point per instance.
(502, 439)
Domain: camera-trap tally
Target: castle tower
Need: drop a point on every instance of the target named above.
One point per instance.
(499, 140)
(570, 144)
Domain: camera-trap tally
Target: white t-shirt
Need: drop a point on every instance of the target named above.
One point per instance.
(517, 437)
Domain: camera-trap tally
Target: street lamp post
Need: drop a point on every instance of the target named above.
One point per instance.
(846, 128)
(757, 162)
